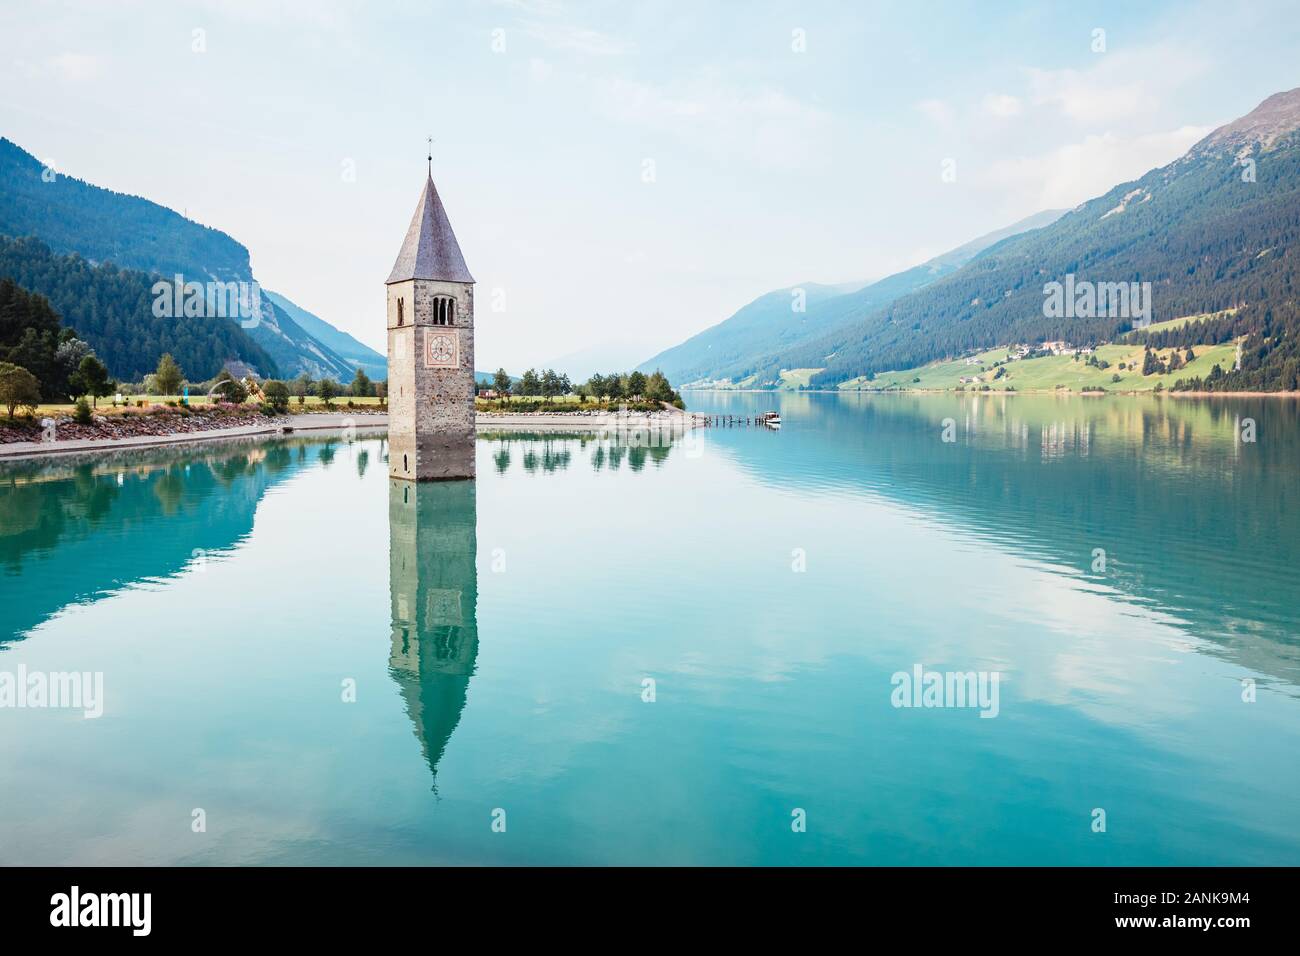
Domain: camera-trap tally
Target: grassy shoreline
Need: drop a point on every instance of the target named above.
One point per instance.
(1038, 375)
(1134, 393)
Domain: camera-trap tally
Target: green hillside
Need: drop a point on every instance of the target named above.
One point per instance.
(766, 324)
(745, 346)
(1050, 372)
(111, 309)
(103, 226)
(70, 215)
(1207, 238)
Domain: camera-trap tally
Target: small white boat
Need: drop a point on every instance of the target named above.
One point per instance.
(772, 420)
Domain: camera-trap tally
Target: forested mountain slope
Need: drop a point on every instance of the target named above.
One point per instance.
(752, 340)
(112, 310)
(99, 225)
(1216, 229)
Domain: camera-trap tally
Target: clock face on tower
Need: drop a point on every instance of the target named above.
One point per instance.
(440, 350)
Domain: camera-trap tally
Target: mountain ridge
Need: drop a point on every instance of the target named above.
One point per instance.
(728, 350)
(1210, 231)
(100, 225)
(352, 351)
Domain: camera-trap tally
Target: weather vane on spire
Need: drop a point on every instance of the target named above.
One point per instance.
(430, 157)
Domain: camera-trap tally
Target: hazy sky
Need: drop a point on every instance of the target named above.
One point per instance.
(772, 165)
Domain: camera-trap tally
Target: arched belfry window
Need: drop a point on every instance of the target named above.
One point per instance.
(444, 310)
(401, 311)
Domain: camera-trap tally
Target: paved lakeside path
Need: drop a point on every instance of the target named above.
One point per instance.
(486, 422)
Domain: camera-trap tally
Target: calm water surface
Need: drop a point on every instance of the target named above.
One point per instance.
(498, 635)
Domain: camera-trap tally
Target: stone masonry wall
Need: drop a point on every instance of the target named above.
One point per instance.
(431, 410)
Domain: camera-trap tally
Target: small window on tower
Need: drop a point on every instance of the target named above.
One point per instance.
(401, 311)
(444, 310)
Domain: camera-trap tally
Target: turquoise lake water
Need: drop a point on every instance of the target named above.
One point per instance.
(499, 636)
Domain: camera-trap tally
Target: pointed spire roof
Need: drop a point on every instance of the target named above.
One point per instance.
(430, 250)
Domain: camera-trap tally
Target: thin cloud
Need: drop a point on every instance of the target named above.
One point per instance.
(1002, 105)
(575, 39)
(547, 8)
(543, 20)
(330, 17)
(765, 125)
(937, 111)
(1077, 172)
(1121, 86)
(74, 67)
(539, 71)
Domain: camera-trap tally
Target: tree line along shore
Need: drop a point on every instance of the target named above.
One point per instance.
(85, 402)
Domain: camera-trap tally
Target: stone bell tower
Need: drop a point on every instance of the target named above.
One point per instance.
(430, 351)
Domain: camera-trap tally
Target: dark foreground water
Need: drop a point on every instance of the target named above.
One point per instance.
(676, 654)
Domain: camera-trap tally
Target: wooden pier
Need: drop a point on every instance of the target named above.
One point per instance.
(768, 419)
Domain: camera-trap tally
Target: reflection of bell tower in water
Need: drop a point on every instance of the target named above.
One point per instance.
(433, 584)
